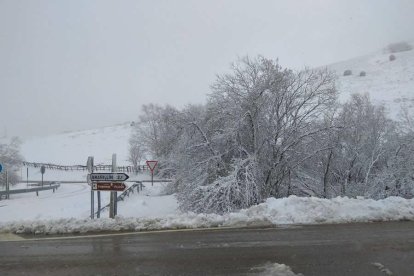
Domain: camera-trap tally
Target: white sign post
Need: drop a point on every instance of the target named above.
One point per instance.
(151, 165)
(89, 164)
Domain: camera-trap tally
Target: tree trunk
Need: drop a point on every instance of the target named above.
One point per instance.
(326, 174)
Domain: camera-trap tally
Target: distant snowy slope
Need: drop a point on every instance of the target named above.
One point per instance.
(75, 147)
(388, 82)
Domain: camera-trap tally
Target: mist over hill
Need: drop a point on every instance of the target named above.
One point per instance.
(388, 82)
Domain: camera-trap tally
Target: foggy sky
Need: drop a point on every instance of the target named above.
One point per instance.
(67, 65)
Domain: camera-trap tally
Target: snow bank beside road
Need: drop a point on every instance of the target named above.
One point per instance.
(312, 210)
(274, 269)
(291, 210)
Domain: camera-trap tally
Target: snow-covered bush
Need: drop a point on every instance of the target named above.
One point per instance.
(235, 191)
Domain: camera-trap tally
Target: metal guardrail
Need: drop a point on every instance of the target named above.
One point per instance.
(30, 190)
(136, 186)
(157, 180)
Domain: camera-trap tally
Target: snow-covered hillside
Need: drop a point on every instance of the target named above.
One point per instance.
(390, 83)
(74, 147)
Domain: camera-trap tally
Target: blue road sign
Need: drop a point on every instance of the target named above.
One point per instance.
(1, 168)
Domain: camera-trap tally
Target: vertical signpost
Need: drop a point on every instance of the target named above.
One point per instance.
(151, 165)
(112, 204)
(7, 181)
(89, 164)
(111, 182)
(98, 213)
(7, 184)
(42, 170)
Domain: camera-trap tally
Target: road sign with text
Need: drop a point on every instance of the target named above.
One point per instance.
(109, 186)
(109, 177)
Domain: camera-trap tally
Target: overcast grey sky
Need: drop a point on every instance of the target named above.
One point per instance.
(67, 65)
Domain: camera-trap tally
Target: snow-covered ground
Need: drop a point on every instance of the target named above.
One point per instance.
(72, 200)
(67, 211)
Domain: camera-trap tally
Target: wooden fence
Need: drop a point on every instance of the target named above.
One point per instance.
(85, 168)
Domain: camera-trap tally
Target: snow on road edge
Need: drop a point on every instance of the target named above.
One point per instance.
(274, 269)
(291, 210)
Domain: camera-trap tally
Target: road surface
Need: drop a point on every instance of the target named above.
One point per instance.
(343, 249)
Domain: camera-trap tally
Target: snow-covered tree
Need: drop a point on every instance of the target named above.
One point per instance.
(396, 177)
(267, 131)
(257, 117)
(136, 150)
(363, 144)
(156, 133)
(11, 160)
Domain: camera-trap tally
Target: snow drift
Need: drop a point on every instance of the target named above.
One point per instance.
(291, 210)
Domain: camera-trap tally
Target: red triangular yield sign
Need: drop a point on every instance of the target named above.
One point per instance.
(152, 165)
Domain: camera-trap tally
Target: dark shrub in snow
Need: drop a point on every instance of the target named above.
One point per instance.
(392, 57)
(347, 72)
(362, 74)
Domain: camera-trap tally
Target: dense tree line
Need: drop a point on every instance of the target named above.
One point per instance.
(267, 131)
(11, 160)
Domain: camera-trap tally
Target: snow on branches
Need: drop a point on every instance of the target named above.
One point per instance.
(272, 132)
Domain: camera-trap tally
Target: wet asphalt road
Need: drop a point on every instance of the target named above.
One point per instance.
(349, 249)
